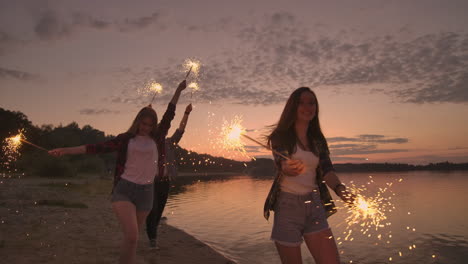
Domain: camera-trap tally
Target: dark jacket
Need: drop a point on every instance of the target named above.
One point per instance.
(120, 145)
(325, 166)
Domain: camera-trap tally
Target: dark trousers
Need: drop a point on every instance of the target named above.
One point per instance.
(161, 191)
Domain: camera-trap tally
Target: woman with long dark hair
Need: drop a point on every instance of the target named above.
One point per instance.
(299, 195)
(140, 158)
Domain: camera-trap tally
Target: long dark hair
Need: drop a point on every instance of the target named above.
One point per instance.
(144, 113)
(283, 134)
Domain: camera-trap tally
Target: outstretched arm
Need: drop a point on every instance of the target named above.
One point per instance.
(103, 147)
(68, 151)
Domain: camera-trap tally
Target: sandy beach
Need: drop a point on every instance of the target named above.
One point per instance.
(45, 220)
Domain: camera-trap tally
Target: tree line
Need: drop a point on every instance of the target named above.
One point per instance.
(37, 162)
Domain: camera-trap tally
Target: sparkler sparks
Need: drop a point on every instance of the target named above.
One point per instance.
(231, 135)
(368, 217)
(156, 87)
(191, 65)
(151, 87)
(11, 149)
(194, 86)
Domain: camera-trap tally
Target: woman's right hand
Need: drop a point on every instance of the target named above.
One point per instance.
(58, 152)
(292, 167)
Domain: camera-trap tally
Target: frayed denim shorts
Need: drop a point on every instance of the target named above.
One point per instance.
(296, 216)
(141, 195)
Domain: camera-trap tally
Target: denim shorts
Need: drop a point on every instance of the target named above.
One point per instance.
(141, 195)
(296, 216)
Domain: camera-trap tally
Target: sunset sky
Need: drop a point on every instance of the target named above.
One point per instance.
(391, 76)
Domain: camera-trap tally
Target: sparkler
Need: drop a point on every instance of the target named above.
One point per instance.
(194, 86)
(191, 65)
(15, 142)
(368, 215)
(232, 133)
(11, 147)
(156, 88)
(10, 150)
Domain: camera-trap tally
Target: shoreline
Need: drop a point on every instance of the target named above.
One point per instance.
(45, 220)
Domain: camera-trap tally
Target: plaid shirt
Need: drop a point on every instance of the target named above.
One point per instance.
(324, 167)
(120, 145)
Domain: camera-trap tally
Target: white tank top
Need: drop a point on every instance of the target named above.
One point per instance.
(142, 160)
(306, 181)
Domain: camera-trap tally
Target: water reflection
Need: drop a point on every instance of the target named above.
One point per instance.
(226, 212)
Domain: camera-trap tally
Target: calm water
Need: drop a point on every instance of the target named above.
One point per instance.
(227, 213)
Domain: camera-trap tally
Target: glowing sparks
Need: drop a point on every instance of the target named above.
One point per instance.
(194, 86)
(367, 209)
(150, 88)
(10, 149)
(231, 135)
(191, 65)
(156, 87)
(368, 216)
(14, 142)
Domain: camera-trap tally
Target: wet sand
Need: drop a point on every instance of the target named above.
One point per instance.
(70, 221)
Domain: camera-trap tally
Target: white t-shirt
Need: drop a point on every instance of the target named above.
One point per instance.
(142, 160)
(306, 181)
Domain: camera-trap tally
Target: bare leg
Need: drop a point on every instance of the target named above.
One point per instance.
(141, 218)
(289, 255)
(126, 214)
(323, 247)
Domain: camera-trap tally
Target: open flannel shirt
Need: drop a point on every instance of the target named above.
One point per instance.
(120, 144)
(324, 167)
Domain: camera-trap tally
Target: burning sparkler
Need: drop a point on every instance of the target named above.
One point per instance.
(369, 215)
(11, 148)
(156, 88)
(191, 65)
(15, 142)
(232, 132)
(194, 86)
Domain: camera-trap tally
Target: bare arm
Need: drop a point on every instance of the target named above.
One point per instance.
(332, 180)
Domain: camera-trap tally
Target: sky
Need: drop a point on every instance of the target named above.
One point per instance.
(391, 77)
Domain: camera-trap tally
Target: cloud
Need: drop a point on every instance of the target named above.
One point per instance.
(50, 26)
(360, 149)
(280, 53)
(363, 144)
(425, 69)
(100, 111)
(139, 23)
(369, 138)
(18, 75)
(54, 25)
(8, 41)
